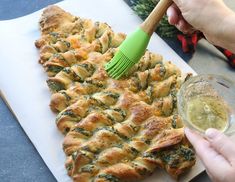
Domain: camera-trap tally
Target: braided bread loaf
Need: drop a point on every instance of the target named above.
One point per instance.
(115, 130)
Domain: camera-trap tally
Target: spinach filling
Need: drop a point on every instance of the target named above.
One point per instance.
(82, 131)
(174, 121)
(149, 155)
(54, 36)
(189, 75)
(66, 43)
(110, 117)
(173, 157)
(67, 70)
(100, 46)
(54, 68)
(110, 39)
(123, 113)
(112, 95)
(118, 145)
(136, 81)
(55, 86)
(89, 67)
(88, 168)
(149, 93)
(93, 150)
(60, 58)
(72, 74)
(109, 177)
(147, 141)
(68, 113)
(95, 83)
(79, 153)
(187, 153)
(69, 167)
(174, 97)
(162, 70)
(135, 128)
(98, 102)
(66, 95)
(121, 135)
(74, 155)
(112, 130)
(134, 151)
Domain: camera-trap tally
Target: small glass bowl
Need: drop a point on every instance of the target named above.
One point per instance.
(208, 86)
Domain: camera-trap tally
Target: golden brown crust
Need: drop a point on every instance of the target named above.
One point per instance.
(53, 19)
(115, 130)
(166, 138)
(124, 172)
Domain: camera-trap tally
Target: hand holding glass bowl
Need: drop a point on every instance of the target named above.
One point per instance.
(208, 101)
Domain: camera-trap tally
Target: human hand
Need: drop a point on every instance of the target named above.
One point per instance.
(212, 17)
(217, 152)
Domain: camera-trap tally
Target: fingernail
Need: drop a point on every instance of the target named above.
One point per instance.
(187, 131)
(211, 133)
(168, 13)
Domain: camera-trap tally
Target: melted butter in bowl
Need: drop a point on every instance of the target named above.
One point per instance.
(207, 112)
(207, 101)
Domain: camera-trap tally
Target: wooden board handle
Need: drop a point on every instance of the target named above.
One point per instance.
(150, 23)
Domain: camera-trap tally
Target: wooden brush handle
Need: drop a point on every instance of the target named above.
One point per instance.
(149, 25)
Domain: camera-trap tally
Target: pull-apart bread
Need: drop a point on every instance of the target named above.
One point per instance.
(115, 130)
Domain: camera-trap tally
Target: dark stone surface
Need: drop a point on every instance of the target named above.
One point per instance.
(16, 8)
(19, 160)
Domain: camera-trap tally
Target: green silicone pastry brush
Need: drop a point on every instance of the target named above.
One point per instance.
(134, 46)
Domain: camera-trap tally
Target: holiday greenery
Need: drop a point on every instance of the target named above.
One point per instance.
(144, 7)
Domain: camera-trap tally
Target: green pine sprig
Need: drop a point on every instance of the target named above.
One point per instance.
(144, 7)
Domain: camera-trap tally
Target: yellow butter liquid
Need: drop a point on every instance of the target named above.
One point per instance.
(207, 112)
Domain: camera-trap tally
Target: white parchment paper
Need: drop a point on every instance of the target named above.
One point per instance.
(23, 81)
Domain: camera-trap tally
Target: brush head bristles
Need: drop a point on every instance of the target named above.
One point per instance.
(129, 53)
(118, 65)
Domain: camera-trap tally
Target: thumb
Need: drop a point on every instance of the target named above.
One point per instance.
(221, 143)
(214, 162)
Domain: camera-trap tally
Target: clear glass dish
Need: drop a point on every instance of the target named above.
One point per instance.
(207, 101)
